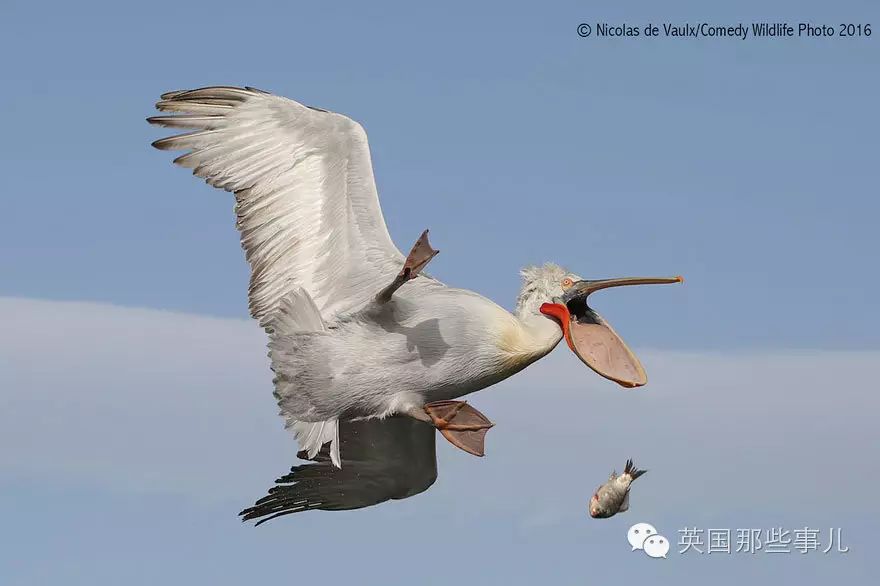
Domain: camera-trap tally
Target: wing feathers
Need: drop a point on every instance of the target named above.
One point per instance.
(306, 201)
(184, 121)
(190, 140)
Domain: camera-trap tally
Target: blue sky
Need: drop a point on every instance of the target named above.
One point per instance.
(748, 167)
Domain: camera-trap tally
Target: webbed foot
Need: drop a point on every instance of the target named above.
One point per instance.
(420, 255)
(461, 424)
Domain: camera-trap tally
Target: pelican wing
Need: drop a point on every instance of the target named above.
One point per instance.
(306, 200)
(392, 458)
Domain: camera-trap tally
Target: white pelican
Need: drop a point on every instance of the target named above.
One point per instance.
(356, 329)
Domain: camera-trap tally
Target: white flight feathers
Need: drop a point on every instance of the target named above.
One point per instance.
(297, 313)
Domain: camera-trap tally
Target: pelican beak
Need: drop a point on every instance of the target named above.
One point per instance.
(593, 339)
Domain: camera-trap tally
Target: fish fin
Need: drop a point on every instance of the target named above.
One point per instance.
(613, 475)
(624, 506)
(632, 470)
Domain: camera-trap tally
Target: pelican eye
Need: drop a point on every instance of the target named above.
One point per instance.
(567, 283)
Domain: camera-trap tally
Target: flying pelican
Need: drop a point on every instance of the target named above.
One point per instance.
(356, 329)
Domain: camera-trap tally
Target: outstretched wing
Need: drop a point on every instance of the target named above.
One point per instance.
(382, 459)
(306, 200)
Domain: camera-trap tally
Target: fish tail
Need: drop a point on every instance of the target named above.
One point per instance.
(632, 470)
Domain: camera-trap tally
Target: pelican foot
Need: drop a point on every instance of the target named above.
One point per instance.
(420, 255)
(461, 424)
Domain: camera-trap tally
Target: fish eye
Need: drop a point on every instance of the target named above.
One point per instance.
(566, 283)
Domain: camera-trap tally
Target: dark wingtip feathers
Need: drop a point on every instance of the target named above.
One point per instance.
(165, 144)
(184, 121)
(285, 498)
(172, 94)
(218, 92)
(632, 470)
(200, 108)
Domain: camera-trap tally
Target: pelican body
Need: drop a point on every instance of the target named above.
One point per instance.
(429, 343)
(356, 329)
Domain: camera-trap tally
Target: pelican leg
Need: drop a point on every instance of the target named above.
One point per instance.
(461, 424)
(420, 255)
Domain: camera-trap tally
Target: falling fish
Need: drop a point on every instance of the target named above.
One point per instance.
(613, 496)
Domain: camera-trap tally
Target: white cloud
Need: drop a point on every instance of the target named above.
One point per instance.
(135, 399)
(144, 400)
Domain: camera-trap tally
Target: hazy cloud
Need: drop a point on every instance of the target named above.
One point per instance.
(144, 400)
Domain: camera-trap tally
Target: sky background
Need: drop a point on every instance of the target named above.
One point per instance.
(136, 415)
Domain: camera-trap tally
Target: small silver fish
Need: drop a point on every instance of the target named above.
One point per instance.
(613, 496)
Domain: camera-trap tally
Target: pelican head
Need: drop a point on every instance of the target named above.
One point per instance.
(561, 295)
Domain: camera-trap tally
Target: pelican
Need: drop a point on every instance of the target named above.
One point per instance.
(357, 330)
